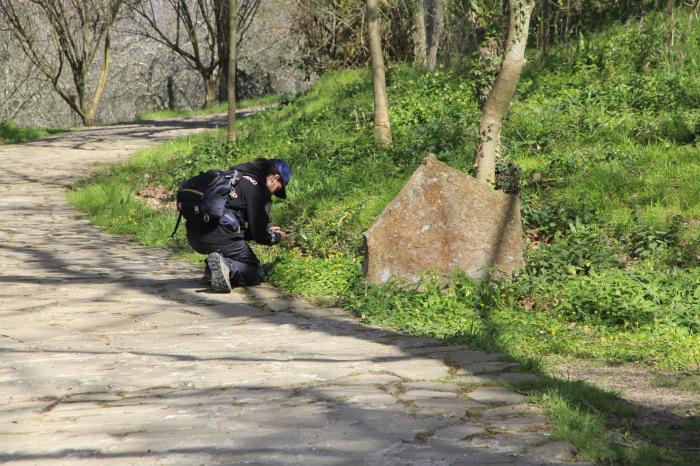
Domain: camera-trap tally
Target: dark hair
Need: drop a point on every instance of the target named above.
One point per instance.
(266, 166)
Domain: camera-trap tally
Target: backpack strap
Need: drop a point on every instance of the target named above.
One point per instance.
(177, 224)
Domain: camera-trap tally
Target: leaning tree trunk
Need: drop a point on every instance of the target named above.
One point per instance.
(436, 30)
(232, 56)
(420, 39)
(382, 128)
(489, 62)
(489, 138)
(102, 80)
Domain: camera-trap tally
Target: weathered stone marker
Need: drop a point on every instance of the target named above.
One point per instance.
(444, 219)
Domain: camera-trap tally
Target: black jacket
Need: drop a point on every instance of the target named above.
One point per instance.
(250, 205)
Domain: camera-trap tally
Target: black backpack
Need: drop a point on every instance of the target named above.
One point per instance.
(202, 198)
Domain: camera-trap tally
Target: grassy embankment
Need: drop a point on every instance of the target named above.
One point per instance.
(10, 133)
(219, 108)
(611, 208)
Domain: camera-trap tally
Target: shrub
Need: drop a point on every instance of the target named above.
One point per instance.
(581, 250)
(625, 298)
(428, 307)
(318, 278)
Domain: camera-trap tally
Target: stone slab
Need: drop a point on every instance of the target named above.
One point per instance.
(554, 452)
(495, 395)
(512, 410)
(446, 406)
(430, 385)
(459, 432)
(444, 220)
(368, 379)
(416, 395)
(518, 377)
(519, 424)
(486, 367)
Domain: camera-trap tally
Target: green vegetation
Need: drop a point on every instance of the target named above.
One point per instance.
(606, 140)
(600, 427)
(10, 133)
(218, 108)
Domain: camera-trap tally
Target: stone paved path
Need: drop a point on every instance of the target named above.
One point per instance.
(110, 353)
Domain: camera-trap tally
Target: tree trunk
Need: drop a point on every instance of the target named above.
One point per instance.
(87, 119)
(693, 15)
(382, 129)
(171, 93)
(211, 88)
(544, 30)
(671, 26)
(79, 99)
(488, 55)
(420, 40)
(232, 57)
(436, 30)
(102, 80)
(489, 138)
(222, 10)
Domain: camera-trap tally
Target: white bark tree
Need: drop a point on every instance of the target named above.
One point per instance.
(420, 38)
(436, 29)
(382, 127)
(498, 101)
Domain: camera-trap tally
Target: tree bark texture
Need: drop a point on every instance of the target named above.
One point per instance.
(489, 138)
(232, 62)
(436, 30)
(104, 74)
(171, 93)
(382, 128)
(488, 58)
(211, 90)
(245, 13)
(420, 39)
(670, 7)
(544, 21)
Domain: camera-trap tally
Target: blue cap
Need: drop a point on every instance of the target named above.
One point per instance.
(285, 173)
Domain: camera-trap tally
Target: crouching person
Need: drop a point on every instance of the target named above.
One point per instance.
(230, 261)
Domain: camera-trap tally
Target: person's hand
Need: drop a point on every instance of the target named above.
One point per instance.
(280, 232)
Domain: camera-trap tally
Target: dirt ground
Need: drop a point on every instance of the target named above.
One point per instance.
(660, 399)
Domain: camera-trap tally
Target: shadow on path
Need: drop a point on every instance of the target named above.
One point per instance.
(111, 351)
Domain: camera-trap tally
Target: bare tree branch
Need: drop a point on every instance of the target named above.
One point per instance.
(196, 30)
(76, 30)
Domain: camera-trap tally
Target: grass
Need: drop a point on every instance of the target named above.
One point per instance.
(608, 157)
(610, 432)
(218, 108)
(12, 134)
(601, 427)
(690, 384)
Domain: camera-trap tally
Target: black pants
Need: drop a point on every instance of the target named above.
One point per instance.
(244, 266)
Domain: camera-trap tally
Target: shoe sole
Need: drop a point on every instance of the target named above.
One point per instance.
(219, 273)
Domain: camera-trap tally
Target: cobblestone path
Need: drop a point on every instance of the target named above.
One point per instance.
(111, 353)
